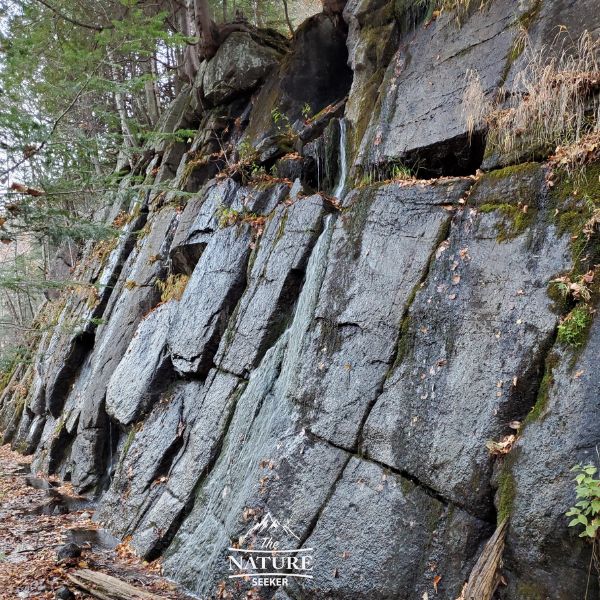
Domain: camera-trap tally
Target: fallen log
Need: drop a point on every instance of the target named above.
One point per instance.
(106, 587)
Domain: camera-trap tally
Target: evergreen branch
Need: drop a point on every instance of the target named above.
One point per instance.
(56, 123)
(71, 19)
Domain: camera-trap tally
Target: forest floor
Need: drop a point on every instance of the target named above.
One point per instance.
(40, 515)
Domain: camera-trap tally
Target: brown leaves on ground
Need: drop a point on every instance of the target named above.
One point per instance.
(29, 542)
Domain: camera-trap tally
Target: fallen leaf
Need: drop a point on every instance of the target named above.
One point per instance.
(504, 446)
(442, 248)
(436, 582)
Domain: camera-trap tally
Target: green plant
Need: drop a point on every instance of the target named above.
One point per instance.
(586, 512)
(282, 122)
(401, 173)
(247, 152)
(307, 111)
(574, 326)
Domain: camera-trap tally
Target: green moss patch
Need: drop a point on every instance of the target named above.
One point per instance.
(515, 221)
(507, 492)
(541, 403)
(574, 328)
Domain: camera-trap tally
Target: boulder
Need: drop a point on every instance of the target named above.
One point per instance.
(239, 65)
(420, 538)
(486, 295)
(419, 118)
(544, 557)
(274, 284)
(311, 77)
(380, 251)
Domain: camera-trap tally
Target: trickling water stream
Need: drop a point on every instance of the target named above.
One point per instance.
(263, 418)
(339, 188)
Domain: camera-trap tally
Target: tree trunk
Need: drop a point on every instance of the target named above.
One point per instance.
(205, 28)
(128, 138)
(150, 92)
(287, 17)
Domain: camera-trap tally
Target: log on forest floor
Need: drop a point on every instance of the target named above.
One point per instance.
(107, 587)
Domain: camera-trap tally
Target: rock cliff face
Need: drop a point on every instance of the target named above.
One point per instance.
(249, 345)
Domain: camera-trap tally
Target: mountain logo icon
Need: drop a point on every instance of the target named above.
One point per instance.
(264, 558)
(270, 525)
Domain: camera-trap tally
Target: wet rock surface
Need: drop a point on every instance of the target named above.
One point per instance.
(257, 348)
(444, 401)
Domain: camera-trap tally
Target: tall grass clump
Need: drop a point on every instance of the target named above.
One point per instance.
(555, 101)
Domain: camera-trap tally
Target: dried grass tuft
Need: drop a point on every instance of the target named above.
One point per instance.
(557, 102)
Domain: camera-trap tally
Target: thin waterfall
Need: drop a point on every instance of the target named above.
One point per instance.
(339, 188)
(264, 416)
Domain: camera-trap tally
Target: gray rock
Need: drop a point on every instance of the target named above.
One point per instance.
(544, 557)
(138, 471)
(70, 341)
(136, 293)
(472, 345)
(553, 30)
(238, 67)
(421, 120)
(202, 213)
(266, 465)
(314, 73)
(265, 448)
(273, 286)
(209, 299)
(68, 551)
(174, 117)
(372, 41)
(380, 251)
(418, 536)
(64, 593)
(184, 430)
(144, 370)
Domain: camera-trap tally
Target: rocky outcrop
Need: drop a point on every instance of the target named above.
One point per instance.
(252, 350)
(240, 64)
